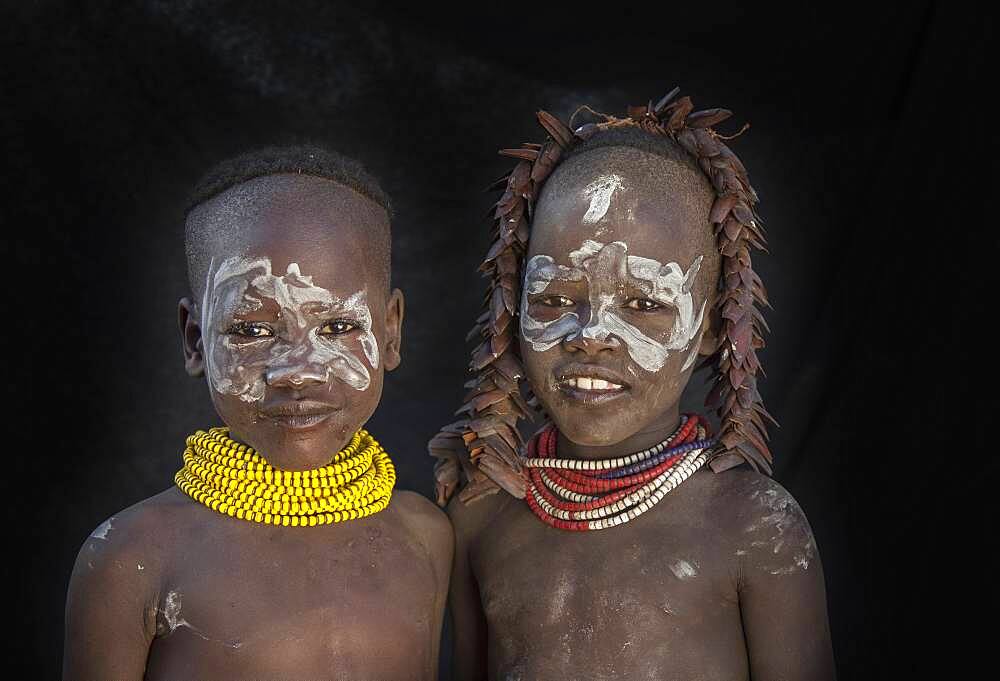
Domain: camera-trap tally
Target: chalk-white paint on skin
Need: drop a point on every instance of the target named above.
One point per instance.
(588, 249)
(172, 620)
(102, 530)
(692, 354)
(782, 529)
(600, 192)
(243, 367)
(801, 562)
(172, 612)
(683, 570)
(560, 597)
(609, 270)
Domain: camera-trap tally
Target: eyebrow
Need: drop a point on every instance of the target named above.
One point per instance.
(555, 270)
(321, 309)
(317, 308)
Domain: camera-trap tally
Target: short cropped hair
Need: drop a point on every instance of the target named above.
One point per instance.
(279, 160)
(299, 159)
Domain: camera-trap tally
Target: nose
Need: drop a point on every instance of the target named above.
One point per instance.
(295, 370)
(591, 338)
(590, 346)
(295, 376)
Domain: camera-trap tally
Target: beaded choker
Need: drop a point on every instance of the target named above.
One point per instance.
(581, 495)
(232, 478)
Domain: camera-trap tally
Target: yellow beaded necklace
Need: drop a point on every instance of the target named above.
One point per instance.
(232, 478)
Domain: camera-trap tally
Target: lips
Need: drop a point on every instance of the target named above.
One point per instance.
(299, 414)
(590, 383)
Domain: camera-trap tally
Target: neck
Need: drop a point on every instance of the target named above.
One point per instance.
(659, 430)
(290, 453)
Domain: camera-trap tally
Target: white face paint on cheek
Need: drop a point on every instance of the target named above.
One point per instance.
(607, 268)
(231, 368)
(669, 284)
(244, 367)
(538, 274)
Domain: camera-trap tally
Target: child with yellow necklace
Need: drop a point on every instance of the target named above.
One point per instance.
(283, 550)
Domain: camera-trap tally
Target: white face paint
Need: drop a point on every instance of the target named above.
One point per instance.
(600, 192)
(240, 365)
(608, 270)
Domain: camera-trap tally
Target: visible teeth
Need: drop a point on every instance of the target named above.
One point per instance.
(588, 383)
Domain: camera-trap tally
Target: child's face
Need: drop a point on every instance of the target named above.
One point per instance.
(296, 321)
(616, 295)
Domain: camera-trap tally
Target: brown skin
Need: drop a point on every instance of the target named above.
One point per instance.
(720, 580)
(174, 590)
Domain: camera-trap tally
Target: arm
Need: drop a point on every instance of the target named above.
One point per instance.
(437, 536)
(782, 592)
(431, 528)
(467, 618)
(110, 609)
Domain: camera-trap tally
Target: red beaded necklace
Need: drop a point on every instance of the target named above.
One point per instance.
(581, 495)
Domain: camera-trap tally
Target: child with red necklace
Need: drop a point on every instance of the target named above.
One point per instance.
(625, 539)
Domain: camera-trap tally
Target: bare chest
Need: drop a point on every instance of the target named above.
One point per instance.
(350, 602)
(634, 600)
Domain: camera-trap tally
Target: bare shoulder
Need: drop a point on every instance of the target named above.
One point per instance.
(417, 505)
(763, 521)
(119, 568)
(140, 535)
(421, 514)
(426, 522)
(472, 518)
(750, 496)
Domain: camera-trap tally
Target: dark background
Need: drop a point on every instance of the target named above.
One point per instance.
(871, 148)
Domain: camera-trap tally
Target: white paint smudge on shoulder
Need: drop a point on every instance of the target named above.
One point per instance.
(102, 530)
(782, 527)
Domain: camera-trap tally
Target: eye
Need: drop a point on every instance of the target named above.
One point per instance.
(556, 301)
(337, 327)
(643, 304)
(250, 330)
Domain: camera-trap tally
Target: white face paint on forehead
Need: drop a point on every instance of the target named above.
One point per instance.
(242, 367)
(600, 192)
(609, 270)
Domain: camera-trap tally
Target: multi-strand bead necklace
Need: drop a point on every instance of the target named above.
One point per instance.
(232, 478)
(580, 494)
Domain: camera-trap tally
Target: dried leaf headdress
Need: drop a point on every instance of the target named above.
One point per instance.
(480, 451)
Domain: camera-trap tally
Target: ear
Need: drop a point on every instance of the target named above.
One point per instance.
(711, 330)
(393, 328)
(191, 340)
